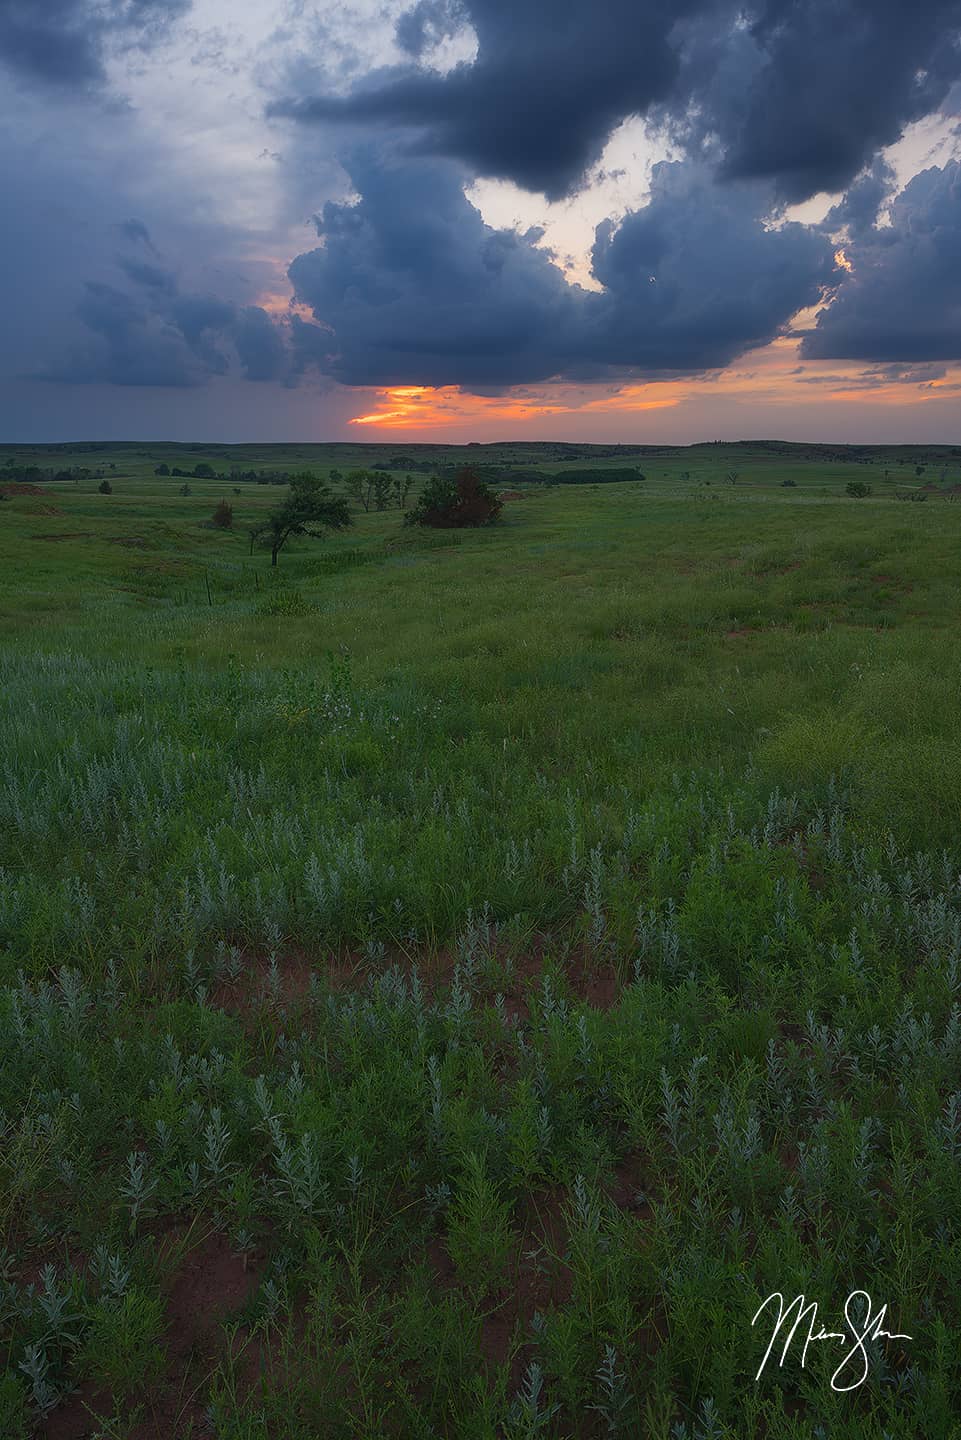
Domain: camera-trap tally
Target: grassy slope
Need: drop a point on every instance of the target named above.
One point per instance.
(494, 963)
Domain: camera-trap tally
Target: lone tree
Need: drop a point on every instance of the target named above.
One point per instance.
(105, 487)
(309, 509)
(360, 487)
(455, 500)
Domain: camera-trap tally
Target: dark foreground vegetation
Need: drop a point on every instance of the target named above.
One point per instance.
(449, 982)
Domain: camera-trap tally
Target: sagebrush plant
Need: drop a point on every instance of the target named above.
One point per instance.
(494, 1009)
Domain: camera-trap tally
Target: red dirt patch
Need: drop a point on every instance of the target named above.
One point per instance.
(739, 634)
(254, 986)
(537, 1279)
(17, 487)
(595, 983)
(510, 495)
(210, 1283)
(630, 1184)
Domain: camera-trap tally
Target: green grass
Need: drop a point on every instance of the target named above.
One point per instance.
(448, 983)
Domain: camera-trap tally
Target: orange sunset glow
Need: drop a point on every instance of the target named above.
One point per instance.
(773, 376)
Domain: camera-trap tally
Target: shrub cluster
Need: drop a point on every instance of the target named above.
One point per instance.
(452, 501)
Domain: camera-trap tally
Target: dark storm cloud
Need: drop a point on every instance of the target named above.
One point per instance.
(260, 345)
(551, 80)
(154, 334)
(802, 94)
(857, 210)
(417, 289)
(903, 300)
(414, 287)
(65, 42)
(695, 278)
(430, 22)
(806, 93)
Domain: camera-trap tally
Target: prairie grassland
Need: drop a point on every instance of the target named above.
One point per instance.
(449, 983)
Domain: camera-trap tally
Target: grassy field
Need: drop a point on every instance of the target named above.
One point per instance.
(448, 983)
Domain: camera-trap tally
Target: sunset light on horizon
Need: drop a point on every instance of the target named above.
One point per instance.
(342, 244)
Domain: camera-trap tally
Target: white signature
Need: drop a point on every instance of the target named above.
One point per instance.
(854, 1365)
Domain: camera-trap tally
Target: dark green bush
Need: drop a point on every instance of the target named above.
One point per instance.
(454, 501)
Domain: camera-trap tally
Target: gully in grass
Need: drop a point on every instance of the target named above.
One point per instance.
(853, 1369)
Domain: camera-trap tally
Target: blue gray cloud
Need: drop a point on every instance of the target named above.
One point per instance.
(767, 101)
(66, 42)
(902, 301)
(413, 287)
(806, 92)
(152, 333)
(799, 94)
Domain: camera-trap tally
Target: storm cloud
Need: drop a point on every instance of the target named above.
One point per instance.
(411, 286)
(164, 157)
(799, 94)
(902, 301)
(66, 42)
(551, 80)
(805, 94)
(154, 334)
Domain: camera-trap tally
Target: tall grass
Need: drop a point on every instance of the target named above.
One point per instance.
(517, 964)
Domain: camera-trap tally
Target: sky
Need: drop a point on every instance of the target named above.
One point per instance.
(452, 220)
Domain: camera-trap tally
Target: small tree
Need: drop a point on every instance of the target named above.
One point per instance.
(185, 489)
(223, 516)
(731, 477)
(382, 488)
(857, 488)
(105, 487)
(401, 489)
(309, 509)
(162, 470)
(455, 500)
(360, 486)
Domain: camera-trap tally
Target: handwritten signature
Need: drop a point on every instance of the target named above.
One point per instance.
(870, 1327)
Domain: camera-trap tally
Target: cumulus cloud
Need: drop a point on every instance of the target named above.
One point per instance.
(806, 94)
(156, 334)
(801, 94)
(697, 277)
(412, 287)
(902, 301)
(551, 80)
(65, 42)
(857, 210)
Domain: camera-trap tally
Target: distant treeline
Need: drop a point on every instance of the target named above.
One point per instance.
(505, 470)
(203, 471)
(494, 475)
(514, 475)
(34, 475)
